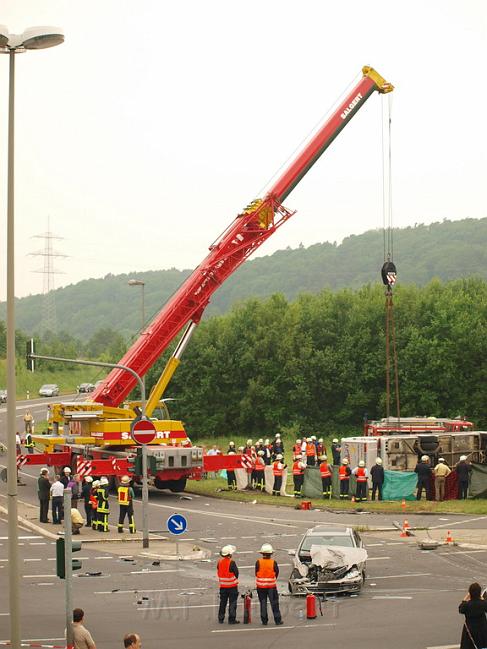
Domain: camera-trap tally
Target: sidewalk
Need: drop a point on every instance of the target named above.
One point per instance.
(160, 546)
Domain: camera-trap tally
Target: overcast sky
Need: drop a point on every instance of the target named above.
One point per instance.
(147, 131)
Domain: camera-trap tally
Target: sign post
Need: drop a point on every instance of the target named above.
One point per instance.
(177, 524)
(143, 432)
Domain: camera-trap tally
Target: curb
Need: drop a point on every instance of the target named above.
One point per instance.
(30, 526)
(196, 556)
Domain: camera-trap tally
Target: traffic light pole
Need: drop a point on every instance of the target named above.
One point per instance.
(68, 568)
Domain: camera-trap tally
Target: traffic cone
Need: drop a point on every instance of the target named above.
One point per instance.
(405, 525)
(353, 499)
(449, 537)
(404, 533)
(403, 504)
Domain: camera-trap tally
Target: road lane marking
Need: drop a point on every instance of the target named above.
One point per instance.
(413, 574)
(150, 572)
(373, 545)
(377, 558)
(462, 522)
(391, 597)
(272, 628)
(36, 576)
(452, 554)
(102, 557)
(445, 646)
(143, 591)
(38, 543)
(395, 543)
(5, 538)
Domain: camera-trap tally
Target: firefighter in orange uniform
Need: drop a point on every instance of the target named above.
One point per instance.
(126, 501)
(361, 474)
(325, 472)
(94, 504)
(310, 452)
(278, 471)
(259, 468)
(297, 448)
(298, 476)
(344, 476)
(266, 574)
(227, 572)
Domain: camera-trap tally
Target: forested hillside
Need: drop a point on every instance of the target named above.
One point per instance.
(447, 250)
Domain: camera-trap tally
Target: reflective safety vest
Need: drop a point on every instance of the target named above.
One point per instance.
(93, 502)
(320, 448)
(259, 464)
(28, 441)
(325, 470)
(360, 474)
(124, 497)
(342, 473)
(226, 578)
(297, 449)
(297, 469)
(276, 470)
(103, 505)
(310, 449)
(265, 577)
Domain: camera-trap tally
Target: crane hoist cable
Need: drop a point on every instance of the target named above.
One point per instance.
(388, 270)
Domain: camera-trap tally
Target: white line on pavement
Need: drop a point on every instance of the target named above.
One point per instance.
(462, 522)
(373, 545)
(463, 552)
(271, 628)
(142, 591)
(377, 558)
(39, 543)
(46, 583)
(150, 572)
(103, 557)
(36, 576)
(445, 646)
(391, 597)
(413, 574)
(248, 537)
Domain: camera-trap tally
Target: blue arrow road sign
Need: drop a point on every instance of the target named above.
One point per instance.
(176, 524)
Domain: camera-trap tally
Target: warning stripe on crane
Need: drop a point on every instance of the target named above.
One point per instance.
(83, 467)
(246, 461)
(21, 460)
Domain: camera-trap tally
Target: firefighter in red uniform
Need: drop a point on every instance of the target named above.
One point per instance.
(278, 471)
(227, 572)
(361, 474)
(344, 476)
(266, 574)
(126, 501)
(325, 472)
(298, 476)
(310, 452)
(297, 448)
(259, 468)
(320, 448)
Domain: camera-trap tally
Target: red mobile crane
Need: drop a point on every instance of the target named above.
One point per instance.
(95, 422)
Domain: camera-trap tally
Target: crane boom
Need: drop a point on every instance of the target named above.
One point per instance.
(246, 233)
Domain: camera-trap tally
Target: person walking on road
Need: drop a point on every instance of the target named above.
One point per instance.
(132, 641)
(126, 497)
(474, 607)
(441, 471)
(377, 475)
(57, 495)
(85, 495)
(266, 574)
(43, 491)
(227, 572)
(463, 470)
(325, 473)
(81, 636)
(423, 470)
(344, 477)
(28, 422)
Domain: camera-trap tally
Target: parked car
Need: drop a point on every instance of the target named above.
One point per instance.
(86, 387)
(328, 560)
(49, 390)
(3, 396)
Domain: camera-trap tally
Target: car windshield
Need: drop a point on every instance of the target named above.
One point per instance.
(49, 386)
(340, 541)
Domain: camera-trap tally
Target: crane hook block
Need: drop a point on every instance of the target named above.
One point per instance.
(388, 272)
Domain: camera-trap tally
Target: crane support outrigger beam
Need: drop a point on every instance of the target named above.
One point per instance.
(249, 230)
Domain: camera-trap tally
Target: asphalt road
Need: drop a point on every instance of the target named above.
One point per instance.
(410, 599)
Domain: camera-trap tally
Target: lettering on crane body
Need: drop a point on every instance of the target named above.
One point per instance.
(160, 434)
(351, 105)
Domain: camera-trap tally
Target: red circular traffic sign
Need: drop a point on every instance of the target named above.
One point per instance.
(143, 431)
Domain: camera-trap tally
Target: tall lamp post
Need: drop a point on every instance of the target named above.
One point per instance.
(34, 38)
(139, 282)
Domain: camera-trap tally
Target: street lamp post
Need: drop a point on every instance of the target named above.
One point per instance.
(139, 282)
(35, 38)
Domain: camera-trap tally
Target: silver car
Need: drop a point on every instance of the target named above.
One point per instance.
(49, 390)
(328, 560)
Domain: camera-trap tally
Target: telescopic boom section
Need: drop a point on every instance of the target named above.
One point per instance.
(248, 231)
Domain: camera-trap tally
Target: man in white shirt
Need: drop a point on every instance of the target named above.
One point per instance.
(57, 495)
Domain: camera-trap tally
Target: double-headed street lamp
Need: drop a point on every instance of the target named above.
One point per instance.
(34, 38)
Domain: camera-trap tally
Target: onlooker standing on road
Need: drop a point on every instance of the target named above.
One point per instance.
(266, 574)
(57, 494)
(377, 475)
(132, 641)
(474, 633)
(43, 491)
(81, 636)
(28, 421)
(463, 470)
(423, 470)
(441, 471)
(227, 572)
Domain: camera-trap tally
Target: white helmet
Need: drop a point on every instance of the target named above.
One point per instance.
(441, 459)
(344, 461)
(66, 469)
(103, 480)
(227, 550)
(361, 463)
(240, 448)
(378, 460)
(313, 438)
(88, 478)
(249, 442)
(267, 549)
(231, 453)
(260, 453)
(321, 440)
(298, 441)
(125, 479)
(323, 458)
(463, 458)
(231, 444)
(308, 439)
(335, 441)
(44, 470)
(424, 458)
(96, 483)
(298, 457)
(261, 441)
(279, 456)
(278, 434)
(267, 441)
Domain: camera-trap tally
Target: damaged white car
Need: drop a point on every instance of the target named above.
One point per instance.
(328, 560)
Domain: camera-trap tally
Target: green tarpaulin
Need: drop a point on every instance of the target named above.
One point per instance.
(312, 483)
(399, 485)
(478, 481)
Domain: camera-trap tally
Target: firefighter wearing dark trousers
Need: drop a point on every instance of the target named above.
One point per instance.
(278, 471)
(231, 478)
(377, 475)
(310, 452)
(423, 469)
(259, 469)
(297, 448)
(86, 495)
(325, 472)
(298, 476)
(227, 572)
(266, 574)
(344, 477)
(29, 443)
(103, 508)
(361, 474)
(336, 451)
(94, 504)
(463, 470)
(126, 496)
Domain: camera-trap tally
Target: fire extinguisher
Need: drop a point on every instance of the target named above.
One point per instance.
(310, 606)
(247, 598)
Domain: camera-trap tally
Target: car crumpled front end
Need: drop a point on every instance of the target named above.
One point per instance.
(329, 570)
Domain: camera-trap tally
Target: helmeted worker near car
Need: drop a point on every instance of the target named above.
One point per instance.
(325, 473)
(126, 497)
(344, 477)
(103, 508)
(336, 451)
(377, 475)
(227, 572)
(441, 471)
(266, 574)
(297, 448)
(94, 504)
(278, 471)
(423, 469)
(298, 476)
(310, 452)
(258, 473)
(361, 474)
(463, 470)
